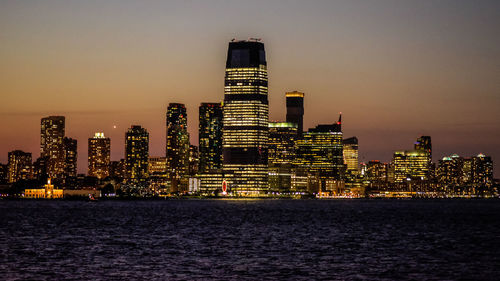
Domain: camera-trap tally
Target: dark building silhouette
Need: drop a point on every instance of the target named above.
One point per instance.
(295, 110)
(210, 137)
(246, 118)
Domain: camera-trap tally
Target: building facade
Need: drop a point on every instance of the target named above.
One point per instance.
(70, 157)
(281, 155)
(136, 155)
(351, 155)
(295, 110)
(320, 155)
(19, 166)
(177, 146)
(99, 156)
(210, 137)
(246, 118)
(52, 146)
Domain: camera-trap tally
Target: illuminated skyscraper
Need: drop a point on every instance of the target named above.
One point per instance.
(246, 118)
(295, 110)
(319, 153)
(482, 171)
(51, 145)
(99, 156)
(19, 166)
(281, 155)
(70, 156)
(410, 165)
(450, 171)
(350, 155)
(210, 137)
(177, 141)
(136, 155)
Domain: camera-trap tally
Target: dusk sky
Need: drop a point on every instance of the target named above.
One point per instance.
(395, 69)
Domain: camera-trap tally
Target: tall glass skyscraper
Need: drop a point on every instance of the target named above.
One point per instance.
(246, 119)
(210, 137)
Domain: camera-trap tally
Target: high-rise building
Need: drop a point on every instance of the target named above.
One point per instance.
(70, 156)
(450, 171)
(281, 155)
(177, 150)
(411, 165)
(482, 171)
(19, 166)
(136, 155)
(210, 137)
(350, 155)
(246, 118)
(52, 146)
(295, 110)
(319, 153)
(424, 144)
(99, 156)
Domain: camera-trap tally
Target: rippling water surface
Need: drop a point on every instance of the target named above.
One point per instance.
(261, 239)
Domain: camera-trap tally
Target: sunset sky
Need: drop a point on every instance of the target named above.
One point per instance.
(395, 69)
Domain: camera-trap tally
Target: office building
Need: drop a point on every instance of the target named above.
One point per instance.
(411, 165)
(350, 155)
(246, 117)
(210, 137)
(52, 146)
(136, 155)
(177, 146)
(281, 155)
(450, 171)
(482, 171)
(19, 166)
(320, 154)
(376, 172)
(99, 156)
(70, 157)
(295, 110)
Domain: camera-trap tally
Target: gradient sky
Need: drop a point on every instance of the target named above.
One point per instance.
(395, 69)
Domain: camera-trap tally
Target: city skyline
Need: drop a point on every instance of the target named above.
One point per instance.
(382, 106)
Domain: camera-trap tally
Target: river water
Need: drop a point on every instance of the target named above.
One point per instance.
(250, 239)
